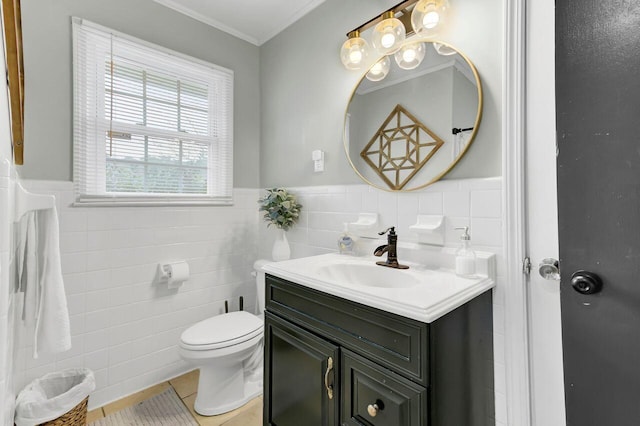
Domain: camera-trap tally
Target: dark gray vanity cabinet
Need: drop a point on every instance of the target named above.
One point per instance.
(330, 361)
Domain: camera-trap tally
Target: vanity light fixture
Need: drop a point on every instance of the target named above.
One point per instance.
(410, 56)
(380, 70)
(427, 15)
(388, 34)
(391, 28)
(354, 51)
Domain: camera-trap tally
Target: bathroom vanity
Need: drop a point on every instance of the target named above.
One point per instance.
(330, 360)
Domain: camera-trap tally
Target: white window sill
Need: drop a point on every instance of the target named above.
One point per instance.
(151, 200)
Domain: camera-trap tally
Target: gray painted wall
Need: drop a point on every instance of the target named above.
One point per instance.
(48, 76)
(290, 94)
(305, 90)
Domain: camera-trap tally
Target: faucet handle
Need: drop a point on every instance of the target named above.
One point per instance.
(392, 229)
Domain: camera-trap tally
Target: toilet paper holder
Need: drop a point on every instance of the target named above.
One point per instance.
(174, 274)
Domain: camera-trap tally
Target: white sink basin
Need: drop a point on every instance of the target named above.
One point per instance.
(367, 275)
(420, 293)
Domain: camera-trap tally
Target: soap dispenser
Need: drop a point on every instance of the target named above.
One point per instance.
(465, 256)
(345, 241)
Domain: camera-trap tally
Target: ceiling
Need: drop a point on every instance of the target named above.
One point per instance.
(255, 21)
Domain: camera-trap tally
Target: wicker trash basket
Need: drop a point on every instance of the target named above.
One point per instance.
(76, 417)
(56, 399)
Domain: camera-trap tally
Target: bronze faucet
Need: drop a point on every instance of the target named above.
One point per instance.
(391, 249)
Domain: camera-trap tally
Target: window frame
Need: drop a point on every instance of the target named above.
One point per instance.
(93, 191)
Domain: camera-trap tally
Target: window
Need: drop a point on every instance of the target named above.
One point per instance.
(150, 125)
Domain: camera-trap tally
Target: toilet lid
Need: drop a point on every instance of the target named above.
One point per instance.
(222, 331)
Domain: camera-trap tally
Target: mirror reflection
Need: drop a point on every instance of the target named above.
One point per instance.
(409, 129)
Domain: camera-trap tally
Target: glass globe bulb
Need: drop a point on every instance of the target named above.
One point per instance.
(431, 19)
(379, 70)
(388, 39)
(428, 16)
(354, 51)
(410, 56)
(388, 35)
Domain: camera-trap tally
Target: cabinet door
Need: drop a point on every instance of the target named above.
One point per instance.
(300, 385)
(375, 396)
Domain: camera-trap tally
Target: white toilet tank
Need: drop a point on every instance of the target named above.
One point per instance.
(260, 284)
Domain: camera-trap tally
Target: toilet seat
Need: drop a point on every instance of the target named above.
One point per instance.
(221, 331)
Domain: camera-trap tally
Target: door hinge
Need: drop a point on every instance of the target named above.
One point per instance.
(526, 266)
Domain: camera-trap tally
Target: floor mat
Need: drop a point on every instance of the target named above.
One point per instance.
(164, 409)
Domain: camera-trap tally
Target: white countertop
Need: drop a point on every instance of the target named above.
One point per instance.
(421, 293)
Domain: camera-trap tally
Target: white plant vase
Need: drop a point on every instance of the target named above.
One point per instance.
(281, 249)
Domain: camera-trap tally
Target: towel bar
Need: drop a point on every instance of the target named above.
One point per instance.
(25, 201)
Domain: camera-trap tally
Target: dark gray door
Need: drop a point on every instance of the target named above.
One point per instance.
(598, 125)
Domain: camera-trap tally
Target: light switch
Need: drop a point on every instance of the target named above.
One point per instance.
(318, 160)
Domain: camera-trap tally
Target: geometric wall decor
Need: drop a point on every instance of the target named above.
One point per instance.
(400, 148)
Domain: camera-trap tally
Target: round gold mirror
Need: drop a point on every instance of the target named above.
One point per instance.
(409, 129)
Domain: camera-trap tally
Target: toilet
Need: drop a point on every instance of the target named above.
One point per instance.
(228, 350)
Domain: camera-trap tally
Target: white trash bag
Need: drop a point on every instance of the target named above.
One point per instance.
(52, 395)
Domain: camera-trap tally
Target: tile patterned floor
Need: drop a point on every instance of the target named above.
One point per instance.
(186, 387)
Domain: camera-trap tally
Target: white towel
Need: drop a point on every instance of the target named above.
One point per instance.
(27, 267)
(52, 330)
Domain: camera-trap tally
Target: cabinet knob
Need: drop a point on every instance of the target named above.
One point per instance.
(372, 409)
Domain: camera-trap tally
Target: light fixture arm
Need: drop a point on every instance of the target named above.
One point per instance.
(403, 8)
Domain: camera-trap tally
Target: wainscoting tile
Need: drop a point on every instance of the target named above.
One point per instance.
(430, 203)
(97, 360)
(486, 232)
(486, 203)
(456, 203)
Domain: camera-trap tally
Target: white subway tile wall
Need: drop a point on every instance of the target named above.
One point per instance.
(476, 203)
(6, 330)
(124, 325)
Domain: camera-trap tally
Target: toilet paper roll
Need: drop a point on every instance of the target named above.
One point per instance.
(178, 272)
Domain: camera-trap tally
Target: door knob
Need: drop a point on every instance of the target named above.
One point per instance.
(549, 269)
(586, 282)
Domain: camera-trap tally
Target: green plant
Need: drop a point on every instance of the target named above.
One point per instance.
(280, 208)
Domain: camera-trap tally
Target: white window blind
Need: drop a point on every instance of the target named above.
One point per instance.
(150, 125)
